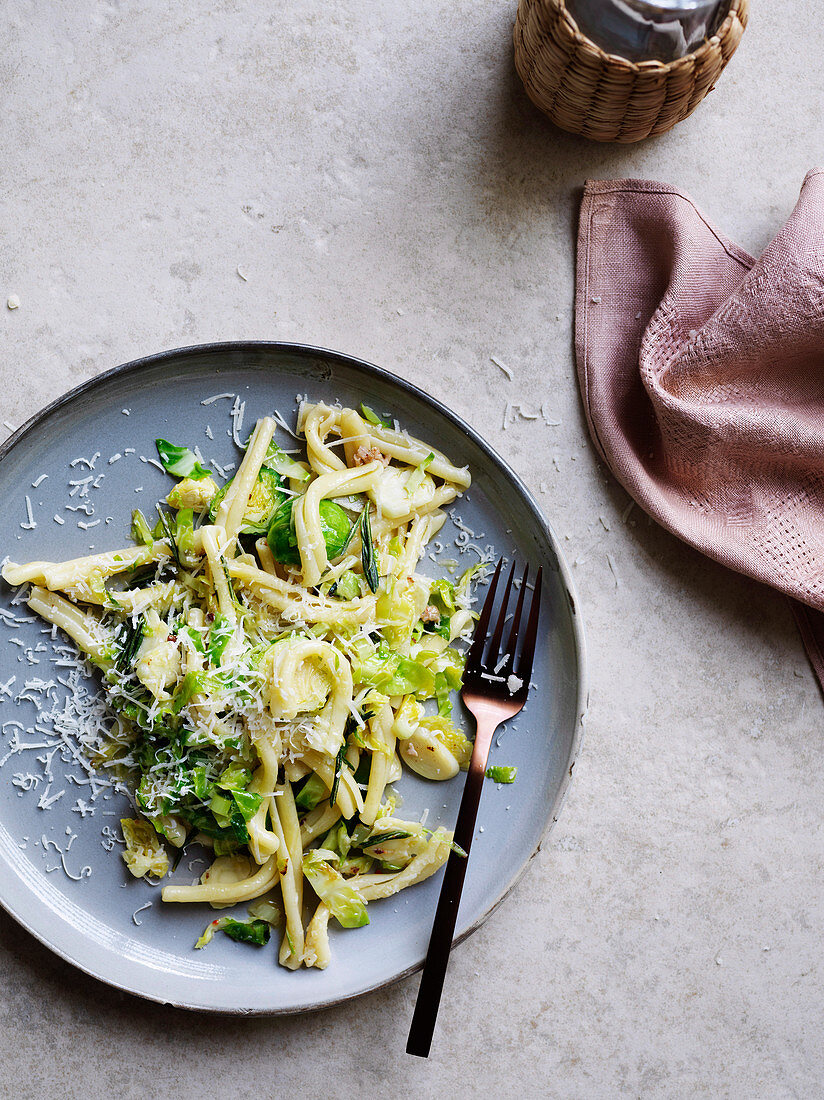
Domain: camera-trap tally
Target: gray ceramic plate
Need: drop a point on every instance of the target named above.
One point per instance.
(58, 873)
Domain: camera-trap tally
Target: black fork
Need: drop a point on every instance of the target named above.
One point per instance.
(496, 683)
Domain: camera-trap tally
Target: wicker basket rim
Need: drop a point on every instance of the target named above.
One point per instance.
(736, 8)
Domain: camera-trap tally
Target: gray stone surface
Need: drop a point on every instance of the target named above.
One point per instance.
(384, 186)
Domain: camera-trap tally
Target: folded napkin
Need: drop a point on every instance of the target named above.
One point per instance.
(702, 373)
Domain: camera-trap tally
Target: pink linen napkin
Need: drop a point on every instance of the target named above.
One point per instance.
(702, 374)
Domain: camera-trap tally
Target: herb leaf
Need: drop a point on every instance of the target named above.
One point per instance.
(333, 794)
(170, 533)
(382, 838)
(353, 530)
(368, 559)
(229, 584)
(132, 638)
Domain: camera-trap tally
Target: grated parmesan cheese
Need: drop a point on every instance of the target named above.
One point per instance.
(87, 462)
(31, 523)
(502, 366)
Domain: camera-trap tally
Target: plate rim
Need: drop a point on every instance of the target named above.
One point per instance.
(134, 366)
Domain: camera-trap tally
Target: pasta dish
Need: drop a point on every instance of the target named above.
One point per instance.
(271, 659)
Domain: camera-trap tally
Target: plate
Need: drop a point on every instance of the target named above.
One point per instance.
(60, 873)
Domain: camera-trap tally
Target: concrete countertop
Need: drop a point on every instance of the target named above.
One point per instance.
(373, 178)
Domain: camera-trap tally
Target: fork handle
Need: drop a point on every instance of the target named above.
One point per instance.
(446, 915)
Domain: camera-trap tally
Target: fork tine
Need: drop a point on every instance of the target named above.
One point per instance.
(528, 651)
(473, 657)
(512, 640)
(495, 641)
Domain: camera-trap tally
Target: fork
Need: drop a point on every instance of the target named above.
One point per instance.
(495, 689)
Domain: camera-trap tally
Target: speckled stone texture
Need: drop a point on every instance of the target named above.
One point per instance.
(371, 177)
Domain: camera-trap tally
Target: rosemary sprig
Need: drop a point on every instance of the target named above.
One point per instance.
(381, 838)
(133, 636)
(339, 759)
(166, 523)
(230, 585)
(353, 530)
(368, 557)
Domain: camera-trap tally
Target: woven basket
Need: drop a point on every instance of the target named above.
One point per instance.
(605, 97)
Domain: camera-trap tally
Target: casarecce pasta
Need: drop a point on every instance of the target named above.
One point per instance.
(272, 658)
